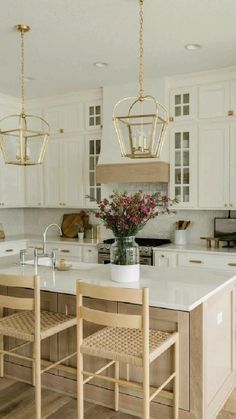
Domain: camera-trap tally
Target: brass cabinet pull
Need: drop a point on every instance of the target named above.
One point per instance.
(171, 119)
(195, 261)
(9, 250)
(231, 113)
(231, 264)
(65, 250)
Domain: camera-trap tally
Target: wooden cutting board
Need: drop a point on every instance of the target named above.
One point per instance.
(69, 222)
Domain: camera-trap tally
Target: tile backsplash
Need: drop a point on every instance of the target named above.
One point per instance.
(12, 221)
(35, 221)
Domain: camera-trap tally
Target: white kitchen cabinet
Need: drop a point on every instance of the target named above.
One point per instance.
(183, 104)
(164, 259)
(66, 251)
(63, 172)
(34, 186)
(52, 174)
(12, 248)
(11, 185)
(89, 254)
(214, 100)
(65, 118)
(183, 165)
(92, 152)
(213, 167)
(206, 260)
(93, 115)
(232, 166)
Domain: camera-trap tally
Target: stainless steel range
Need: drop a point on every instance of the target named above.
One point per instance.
(145, 249)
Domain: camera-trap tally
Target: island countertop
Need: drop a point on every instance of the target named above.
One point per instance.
(173, 288)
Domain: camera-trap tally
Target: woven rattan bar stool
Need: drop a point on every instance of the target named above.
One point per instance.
(29, 324)
(124, 338)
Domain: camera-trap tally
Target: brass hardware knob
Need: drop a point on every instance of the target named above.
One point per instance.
(195, 261)
(162, 256)
(61, 130)
(226, 205)
(230, 205)
(89, 250)
(231, 264)
(171, 119)
(231, 113)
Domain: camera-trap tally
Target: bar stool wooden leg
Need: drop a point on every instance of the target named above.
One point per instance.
(146, 393)
(176, 380)
(80, 385)
(38, 378)
(1, 357)
(117, 376)
(1, 348)
(33, 366)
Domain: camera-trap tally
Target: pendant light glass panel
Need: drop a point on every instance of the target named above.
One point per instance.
(140, 126)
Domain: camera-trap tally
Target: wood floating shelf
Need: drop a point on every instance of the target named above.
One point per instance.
(133, 172)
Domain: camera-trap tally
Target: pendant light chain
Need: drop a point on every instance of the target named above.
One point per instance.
(141, 51)
(22, 68)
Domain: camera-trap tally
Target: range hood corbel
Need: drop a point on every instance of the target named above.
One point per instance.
(133, 172)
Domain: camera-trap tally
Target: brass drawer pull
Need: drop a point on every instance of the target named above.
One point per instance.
(195, 261)
(9, 250)
(65, 251)
(231, 264)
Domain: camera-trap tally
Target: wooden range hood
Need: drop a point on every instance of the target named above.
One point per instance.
(133, 172)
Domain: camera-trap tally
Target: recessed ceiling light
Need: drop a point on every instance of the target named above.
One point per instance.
(28, 78)
(192, 47)
(100, 64)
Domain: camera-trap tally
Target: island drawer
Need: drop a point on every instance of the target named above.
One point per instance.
(207, 261)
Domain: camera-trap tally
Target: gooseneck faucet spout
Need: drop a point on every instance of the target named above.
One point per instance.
(45, 236)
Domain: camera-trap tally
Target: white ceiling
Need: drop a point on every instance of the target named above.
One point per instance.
(68, 36)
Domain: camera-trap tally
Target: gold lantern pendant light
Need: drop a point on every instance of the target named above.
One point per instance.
(23, 138)
(140, 122)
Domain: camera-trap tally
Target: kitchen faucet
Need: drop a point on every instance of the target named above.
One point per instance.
(45, 236)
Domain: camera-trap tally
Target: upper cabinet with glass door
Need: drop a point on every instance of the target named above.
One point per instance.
(93, 189)
(94, 115)
(183, 104)
(183, 167)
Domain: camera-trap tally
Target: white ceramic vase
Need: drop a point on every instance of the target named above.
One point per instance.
(81, 237)
(125, 273)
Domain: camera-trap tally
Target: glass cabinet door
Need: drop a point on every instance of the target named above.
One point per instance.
(93, 188)
(183, 166)
(182, 104)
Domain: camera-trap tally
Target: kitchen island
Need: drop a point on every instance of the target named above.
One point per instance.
(199, 304)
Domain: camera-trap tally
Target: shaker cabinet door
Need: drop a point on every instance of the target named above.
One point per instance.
(213, 179)
(52, 174)
(214, 100)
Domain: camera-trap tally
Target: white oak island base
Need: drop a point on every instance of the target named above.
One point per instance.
(206, 356)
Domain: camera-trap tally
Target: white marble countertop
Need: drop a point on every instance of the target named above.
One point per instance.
(190, 247)
(173, 288)
(50, 239)
(194, 247)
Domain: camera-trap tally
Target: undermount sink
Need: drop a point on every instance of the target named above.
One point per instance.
(42, 261)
